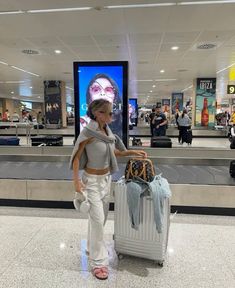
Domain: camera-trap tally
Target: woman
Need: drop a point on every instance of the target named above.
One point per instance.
(184, 123)
(102, 86)
(95, 151)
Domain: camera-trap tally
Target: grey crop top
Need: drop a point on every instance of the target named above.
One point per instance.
(97, 154)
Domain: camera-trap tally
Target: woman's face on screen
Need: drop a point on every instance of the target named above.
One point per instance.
(101, 88)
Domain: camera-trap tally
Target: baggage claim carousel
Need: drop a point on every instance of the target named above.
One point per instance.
(40, 177)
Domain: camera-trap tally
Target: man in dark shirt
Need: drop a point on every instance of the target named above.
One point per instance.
(159, 123)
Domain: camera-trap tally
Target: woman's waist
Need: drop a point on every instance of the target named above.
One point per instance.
(95, 171)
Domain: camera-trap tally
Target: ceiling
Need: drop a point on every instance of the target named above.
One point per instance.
(143, 36)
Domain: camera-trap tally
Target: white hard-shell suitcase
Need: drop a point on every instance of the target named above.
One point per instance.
(145, 242)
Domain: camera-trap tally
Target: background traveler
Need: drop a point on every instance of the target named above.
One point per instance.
(159, 122)
(184, 123)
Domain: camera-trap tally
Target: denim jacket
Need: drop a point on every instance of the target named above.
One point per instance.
(158, 190)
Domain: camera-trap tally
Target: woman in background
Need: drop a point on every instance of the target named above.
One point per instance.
(184, 123)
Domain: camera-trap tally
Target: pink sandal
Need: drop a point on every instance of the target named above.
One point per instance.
(101, 273)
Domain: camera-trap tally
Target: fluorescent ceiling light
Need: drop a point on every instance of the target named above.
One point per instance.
(4, 63)
(60, 10)
(162, 71)
(165, 80)
(225, 68)
(189, 87)
(147, 80)
(174, 48)
(11, 82)
(207, 2)
(151, 91)
(139, 5)
(154, 86)
(14, 82)
(11, 12)
(31, 73)
(67, 87)
(12, 92)
(58, 51)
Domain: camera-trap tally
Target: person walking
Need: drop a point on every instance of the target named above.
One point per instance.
(95, 151)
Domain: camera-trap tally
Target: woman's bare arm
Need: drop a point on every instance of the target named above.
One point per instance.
(139, 153)
(78, 185)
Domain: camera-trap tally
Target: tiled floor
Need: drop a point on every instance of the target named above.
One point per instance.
(46, 248)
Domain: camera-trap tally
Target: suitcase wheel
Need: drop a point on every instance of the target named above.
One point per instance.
(120, 256)
(159, 263)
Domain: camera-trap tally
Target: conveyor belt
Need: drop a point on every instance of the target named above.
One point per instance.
(176, 174)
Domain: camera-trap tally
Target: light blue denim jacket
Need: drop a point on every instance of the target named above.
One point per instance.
(158, 190)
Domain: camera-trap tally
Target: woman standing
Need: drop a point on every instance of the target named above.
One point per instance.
(184, 123)
(95, 151)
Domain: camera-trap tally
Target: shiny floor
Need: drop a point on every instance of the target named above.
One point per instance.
(46, 248)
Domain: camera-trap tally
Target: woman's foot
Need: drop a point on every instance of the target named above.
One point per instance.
(100, 273)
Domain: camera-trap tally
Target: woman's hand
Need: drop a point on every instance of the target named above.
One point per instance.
(140, 153)
(79, 186)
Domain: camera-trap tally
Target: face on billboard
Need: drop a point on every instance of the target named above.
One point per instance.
(102, 88)
(100, 82)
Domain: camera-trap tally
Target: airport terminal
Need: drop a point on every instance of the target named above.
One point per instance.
(167, 73)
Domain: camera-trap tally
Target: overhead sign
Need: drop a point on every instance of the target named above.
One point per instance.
(231, 89)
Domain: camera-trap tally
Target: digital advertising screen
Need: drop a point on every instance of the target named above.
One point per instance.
(101, 80)
(133, 111)
(27, 105)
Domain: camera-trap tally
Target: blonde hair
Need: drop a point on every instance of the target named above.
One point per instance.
(96, 105)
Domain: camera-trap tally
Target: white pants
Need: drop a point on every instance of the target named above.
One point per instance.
(97, 189)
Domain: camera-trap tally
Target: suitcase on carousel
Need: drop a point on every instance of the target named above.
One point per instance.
(145, 242)
(161, 142)
(9, 141)
(232, 168)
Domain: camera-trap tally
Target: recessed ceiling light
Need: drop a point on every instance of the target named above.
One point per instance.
(150, 91)
(162, 71)
(58, 51)
(31, 87)
(12, 92)
(154, 86)
(174, 48)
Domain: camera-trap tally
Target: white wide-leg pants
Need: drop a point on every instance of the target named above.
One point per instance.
(97, 190)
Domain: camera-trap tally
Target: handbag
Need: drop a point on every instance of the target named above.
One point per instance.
(142, 168)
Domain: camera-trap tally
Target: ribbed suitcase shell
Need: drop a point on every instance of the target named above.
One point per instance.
(146, 242)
